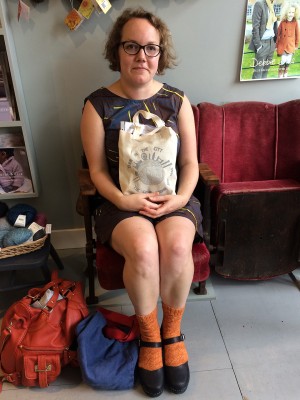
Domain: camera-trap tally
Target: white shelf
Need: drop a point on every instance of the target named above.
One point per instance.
(8, 124)
(12, 133)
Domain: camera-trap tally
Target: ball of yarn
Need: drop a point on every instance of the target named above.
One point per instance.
(16, 236)
(21, 209)
(3, 232)
(37, 230)
(3, 209)
(4, 224)
(41, 219)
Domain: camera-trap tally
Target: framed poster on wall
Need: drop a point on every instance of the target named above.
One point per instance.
(15, 177)
(271, 40)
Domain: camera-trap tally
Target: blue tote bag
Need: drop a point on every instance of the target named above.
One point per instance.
(105, 362)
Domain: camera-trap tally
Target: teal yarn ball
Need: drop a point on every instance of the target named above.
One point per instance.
(16, 236)
(4, 232)
(4, 224)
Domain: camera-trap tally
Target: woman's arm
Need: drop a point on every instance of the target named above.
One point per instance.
(187, 158)
(92, 136)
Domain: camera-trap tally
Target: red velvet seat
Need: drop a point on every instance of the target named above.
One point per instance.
(110, 264)
(253, 215)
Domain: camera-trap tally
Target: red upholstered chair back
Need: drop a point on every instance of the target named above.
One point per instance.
(253, 216)
(288, 149)
(238, 140)
(196, 117)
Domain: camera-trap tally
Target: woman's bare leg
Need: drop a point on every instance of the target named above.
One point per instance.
(175, 236)
(135, 239)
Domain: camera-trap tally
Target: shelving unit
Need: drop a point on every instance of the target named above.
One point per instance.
(18, 178)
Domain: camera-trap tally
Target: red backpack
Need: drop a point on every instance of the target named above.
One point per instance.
(35, 343)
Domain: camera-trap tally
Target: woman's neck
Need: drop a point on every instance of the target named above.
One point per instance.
(135, 92)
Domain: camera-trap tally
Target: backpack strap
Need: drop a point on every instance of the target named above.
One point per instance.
(121, 327)
(11, 378)
(42, 369)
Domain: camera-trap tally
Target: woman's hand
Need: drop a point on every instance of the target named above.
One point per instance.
(165, 204)
(138, 202)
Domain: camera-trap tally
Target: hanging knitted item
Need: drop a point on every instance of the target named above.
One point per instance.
(73, 20)
(86, 8)
(102, 6)
(23, 10)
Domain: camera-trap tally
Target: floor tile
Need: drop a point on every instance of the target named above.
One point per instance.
(259, 320)
(203, 339)
(213, 385)
(270, 381)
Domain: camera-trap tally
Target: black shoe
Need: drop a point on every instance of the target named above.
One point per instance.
(152, 381)
(177, 378)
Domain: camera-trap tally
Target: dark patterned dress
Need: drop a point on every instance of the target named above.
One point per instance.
(113, 109)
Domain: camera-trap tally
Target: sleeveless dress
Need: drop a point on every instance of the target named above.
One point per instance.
(113, 109)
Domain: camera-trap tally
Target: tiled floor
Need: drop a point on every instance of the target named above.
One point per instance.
(243, 344)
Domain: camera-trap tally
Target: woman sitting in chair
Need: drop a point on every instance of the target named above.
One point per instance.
(153, 232)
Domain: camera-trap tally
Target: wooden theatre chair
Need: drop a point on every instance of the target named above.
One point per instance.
(108, 264)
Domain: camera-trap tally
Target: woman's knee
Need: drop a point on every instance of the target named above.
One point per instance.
(142, 257)
(178, 249)
(142, 250)
(176, 259)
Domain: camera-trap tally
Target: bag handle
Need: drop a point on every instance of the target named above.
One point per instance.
(35, 292)
(57, 285)
(159, 123)
(116, 321)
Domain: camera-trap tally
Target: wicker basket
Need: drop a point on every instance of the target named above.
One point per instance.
(23, 248)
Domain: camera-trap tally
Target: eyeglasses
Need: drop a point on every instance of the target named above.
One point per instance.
(132, 48)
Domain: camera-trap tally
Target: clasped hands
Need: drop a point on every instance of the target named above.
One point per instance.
(154, 205)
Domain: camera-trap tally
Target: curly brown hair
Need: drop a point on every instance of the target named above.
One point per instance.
(167, 57)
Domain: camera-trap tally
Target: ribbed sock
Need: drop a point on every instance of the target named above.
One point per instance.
(150, 358)
(175, 354)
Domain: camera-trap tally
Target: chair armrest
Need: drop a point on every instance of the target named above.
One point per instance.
(207, 179)
(87, 188)
(207, 176)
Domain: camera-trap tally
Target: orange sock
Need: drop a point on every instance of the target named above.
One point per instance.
(150, 358)
(175, 354)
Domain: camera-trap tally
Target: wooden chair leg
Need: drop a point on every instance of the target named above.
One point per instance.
(201, 288)
(91, 298)
(295, 280)
(89, 250)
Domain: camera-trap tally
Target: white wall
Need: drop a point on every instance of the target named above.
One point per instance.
(59, 68)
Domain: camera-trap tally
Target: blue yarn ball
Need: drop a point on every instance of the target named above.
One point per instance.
(3, 232)
(21, 209)
(4, 224)
(16, 236)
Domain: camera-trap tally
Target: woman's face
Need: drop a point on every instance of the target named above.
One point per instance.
(138, 69)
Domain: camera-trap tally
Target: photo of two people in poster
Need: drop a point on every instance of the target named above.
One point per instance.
(271, 40)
